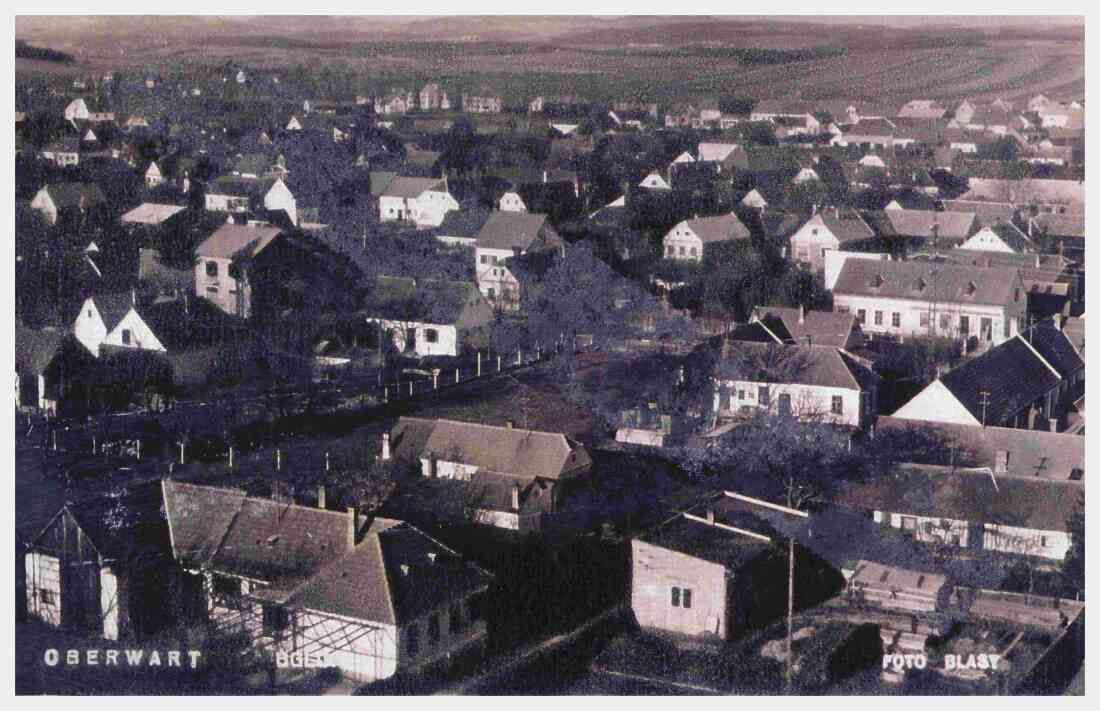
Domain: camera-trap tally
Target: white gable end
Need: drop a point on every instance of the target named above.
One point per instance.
(133, 332)
(89, 328)
(986, 240)
(936, 404)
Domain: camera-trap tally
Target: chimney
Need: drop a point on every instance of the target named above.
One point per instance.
(509, 424)
(353, 526)
(801, 314)
(710, 515)
(385, 446)
(133, 296)
(515, 496)
(321, 497)
(545, 176)
(1058, 321)
(1054, 424)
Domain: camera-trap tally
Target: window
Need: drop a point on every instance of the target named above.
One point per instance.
(46, 597)
(987, 329)
(945, 321)
(1000, 462)
(89, 313)
(693, 251)
(675, 596)
(861, 316)
(227, 587)
(681, 250)
(457, 621)
(924, 319)
(909, 523)
(838, 405)
(276, 620)
(895, 320)
(764, 396)
(484, 259)
(813, 231)
(803, 254)
(211, 269)
(878, 318)
(412, 640)
(670, 252)
(433, 628)
(824, 250)
(687, 598)
(740, 394)
(964, 325)
(431, 335)
(211, 290)
(125, 336)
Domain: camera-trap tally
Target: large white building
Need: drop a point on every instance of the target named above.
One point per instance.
(424, 201)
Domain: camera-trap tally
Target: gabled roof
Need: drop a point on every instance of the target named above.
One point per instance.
(917, 280)
(66, 195)
(1023, 192)
(926, 223)
(1069, 225)
(1011, 235)
(871, 127)
(1001, 382)
(968, 495)
(716, 151)
(819, 328)
(1031, 453)
(846, 225)
(1055, 347)
(823, 366)
(504, 450)
(149, 213)
(463, 223)
(113, 307)
(509, 230)
(231, 241)
(718, 228)
(988, 212)
(411, 188)
(711, 543)
(235, 186)
(421, 301)
(379, 181)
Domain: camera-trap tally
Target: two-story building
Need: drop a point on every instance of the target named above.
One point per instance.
(688, 239)
(830, 229)
(423, 201)
(919, 298)
(222, 265)
(505, 235)
(430, 317)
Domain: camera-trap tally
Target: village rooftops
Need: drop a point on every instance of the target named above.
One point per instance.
(817, 328)
(988, 212)
(719, 228)
(956, 226)
(731, 538)
(512, 230)
(66, 195)
(976, 495)
(149, 213)
(1043, 191)
(411, 188)
(845, 224)
(824, 366)
(231, 241)
(421, 301)
(1034, 454)
(379, 181)
(504, 450)
(916, 280)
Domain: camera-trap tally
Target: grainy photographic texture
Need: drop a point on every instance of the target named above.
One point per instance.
(549, 355)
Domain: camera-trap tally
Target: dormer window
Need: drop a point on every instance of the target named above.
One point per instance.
(971, 289)
(921, 284)
(877, 281)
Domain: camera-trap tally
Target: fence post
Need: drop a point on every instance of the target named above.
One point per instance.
(456, 376)
(326, 462)
(519, 357)
(139, 450)
(435, 379)
(498, 362)
(181, 453)
(278, 459)
(479, 364)
(93, 444)
(54, 432)
(230, 456)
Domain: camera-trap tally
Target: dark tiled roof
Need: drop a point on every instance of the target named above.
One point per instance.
(824, 328)
(824, 366)
(231, 240)
(1011, 375)
(925, 223)
(112, 307)
(410, 188)
(423, 301)
(1055, 347)
(463, 223)
(69, 194)
(126, 526)
(711, 543)
(719, 228)
(508, 230)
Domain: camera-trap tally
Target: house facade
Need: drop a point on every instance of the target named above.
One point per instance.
(430, 317)
(423, 201)
(828, 230)
(221, 265)
(913, 298)
(503, 236)
(687, 240)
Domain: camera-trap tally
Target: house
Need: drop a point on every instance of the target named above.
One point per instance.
(681, 116)
(47, 368)
(712, 571)
(913, 298)
(241, 196)
(804, 381)
(933, 228)
(371, 597)
(103, 567)
(460, 227)
(516, 476)
(728, 156)
(505, 235)
(153, 176)
(1004, 451)
(151, 213)
(58, 198)
(810, 328)
(62, 153)
(654, 181)
(76, 110)
(512, 202)
(482, 103)
(430, 317)
(973, 509)
(115, 317)
(398, 101)
(1046, 195)
(999, 237)
(433, 97)
(829, 229)
(221, 265)
(868, 133)
(922, 109)
(1027, 382)
(688, 239)
(646, 427)
(424, 201)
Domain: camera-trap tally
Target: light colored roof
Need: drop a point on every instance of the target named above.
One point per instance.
(824, 366)
(951, 283)
(150, 213)
(820, 328)
(231, 240)
(718, 228)
(1022, 192)
(716, 151)
(508, 230)
(920, 223)
(504, 450)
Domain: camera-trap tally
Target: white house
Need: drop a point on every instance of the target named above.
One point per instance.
(153, 176)
(293, 124)
(424, 201)
(52, 199)
(113, 319)
(505, 235)
(512, 202)
(63, 153)
(1001, 237)
(654, 181)
(430, 317)
(915, 298)
(687, 239)
(817, 382)
(829, 229)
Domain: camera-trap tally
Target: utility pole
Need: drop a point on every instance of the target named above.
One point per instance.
(985, 404)
(790, 609)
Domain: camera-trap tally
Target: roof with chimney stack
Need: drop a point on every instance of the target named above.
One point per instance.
(231, 241)
(818, 328)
